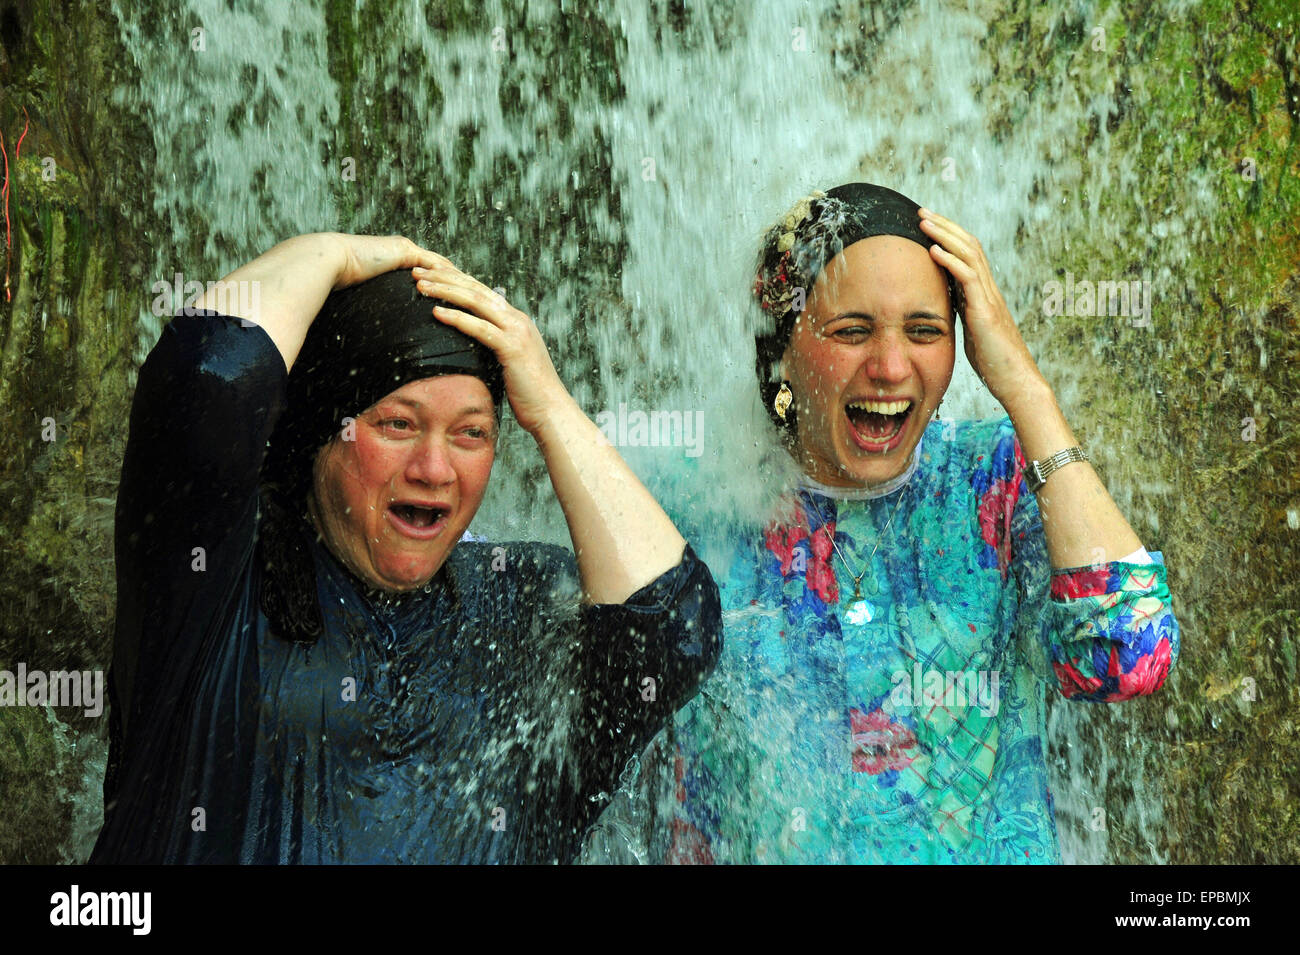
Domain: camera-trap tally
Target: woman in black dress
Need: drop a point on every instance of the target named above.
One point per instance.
(309, 663)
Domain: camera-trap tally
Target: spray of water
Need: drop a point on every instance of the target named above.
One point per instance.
(666, 138)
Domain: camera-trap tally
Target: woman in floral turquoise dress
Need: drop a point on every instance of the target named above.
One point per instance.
(892, 634)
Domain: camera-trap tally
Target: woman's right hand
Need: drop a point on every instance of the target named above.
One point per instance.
(366, 256)
(283, 289)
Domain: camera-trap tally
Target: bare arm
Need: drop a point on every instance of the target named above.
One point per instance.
(293, 279)
(1081, 521)
(622, 537)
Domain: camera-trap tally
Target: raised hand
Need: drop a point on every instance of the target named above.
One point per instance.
(621, 536)
(994, 345)
(293, 279)
(533, 387)
(1080, 519)
(366, 256)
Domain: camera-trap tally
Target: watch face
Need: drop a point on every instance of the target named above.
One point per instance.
(1034, 477)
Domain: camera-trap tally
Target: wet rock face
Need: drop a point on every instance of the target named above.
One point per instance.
(72, 252)
(611, 172)
(1184, 165)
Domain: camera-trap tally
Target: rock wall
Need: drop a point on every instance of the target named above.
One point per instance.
(1180, 165)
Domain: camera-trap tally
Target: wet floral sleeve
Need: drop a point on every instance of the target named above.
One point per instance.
(1109, 630)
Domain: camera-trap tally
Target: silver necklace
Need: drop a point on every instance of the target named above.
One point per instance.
(859, 610)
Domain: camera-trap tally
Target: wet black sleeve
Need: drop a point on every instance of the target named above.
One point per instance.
(642, 661)
(206, 400)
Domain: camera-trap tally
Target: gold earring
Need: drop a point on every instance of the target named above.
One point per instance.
(782, 401)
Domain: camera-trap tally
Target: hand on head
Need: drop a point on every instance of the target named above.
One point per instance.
(993, 343)
(532, 385)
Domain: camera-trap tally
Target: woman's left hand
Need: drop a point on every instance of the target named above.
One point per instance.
(532, 385)
(994, 346)
(622, 538)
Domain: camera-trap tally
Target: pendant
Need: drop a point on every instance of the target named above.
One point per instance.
(859, 612)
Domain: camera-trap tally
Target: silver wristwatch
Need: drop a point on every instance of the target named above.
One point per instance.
(1039, 471)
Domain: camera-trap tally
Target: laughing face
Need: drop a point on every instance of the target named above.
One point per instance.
(393, 503)
(869, 360)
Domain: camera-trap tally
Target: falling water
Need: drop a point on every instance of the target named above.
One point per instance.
(611, 170)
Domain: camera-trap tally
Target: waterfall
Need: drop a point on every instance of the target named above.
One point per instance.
(611, 167)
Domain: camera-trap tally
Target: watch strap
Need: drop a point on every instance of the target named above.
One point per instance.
(1038, 472)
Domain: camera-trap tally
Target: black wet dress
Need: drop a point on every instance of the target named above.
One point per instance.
(484, 719)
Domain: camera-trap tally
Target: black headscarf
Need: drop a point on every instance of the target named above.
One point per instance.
(366, 342)
(798, 247)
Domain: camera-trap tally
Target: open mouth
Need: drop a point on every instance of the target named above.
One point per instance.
(418, 520)
(878, 425)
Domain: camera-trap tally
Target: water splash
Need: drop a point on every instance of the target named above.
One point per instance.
(242, 106)
(712, 125)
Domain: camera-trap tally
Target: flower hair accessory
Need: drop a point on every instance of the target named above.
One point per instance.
(775, 292)
(775, 285)
(798, 212)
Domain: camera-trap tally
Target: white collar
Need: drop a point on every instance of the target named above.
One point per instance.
(864, 493)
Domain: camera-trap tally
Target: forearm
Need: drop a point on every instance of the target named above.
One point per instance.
(291, 281)
(1081, 521)
(621, 536)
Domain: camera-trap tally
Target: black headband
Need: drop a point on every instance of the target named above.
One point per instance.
(878, 211)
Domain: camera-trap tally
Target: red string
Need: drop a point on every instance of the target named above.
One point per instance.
(4, 192)
(9, 238)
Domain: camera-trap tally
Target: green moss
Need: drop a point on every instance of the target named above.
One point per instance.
(77, 249)
(1208, 93)
(36, 818)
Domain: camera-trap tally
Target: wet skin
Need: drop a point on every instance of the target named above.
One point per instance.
(878, 325)
(430, 443)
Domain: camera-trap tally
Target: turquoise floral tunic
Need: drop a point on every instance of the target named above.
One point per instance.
(906, 726)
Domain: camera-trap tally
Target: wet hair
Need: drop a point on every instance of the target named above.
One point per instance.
(795, 250)
(365, 343)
